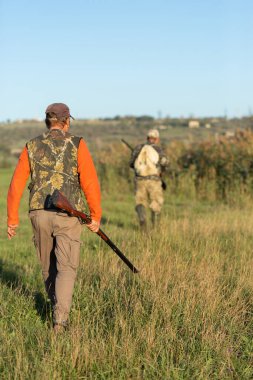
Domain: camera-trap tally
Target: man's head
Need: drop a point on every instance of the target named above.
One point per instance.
(153, 136)
(58, 116)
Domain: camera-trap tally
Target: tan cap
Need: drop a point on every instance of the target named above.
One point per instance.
(153, 133)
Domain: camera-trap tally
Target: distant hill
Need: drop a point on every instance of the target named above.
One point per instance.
(98, 133)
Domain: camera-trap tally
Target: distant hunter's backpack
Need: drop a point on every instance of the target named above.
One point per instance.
(147, 162)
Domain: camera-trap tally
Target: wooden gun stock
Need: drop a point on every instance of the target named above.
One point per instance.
(61, 202)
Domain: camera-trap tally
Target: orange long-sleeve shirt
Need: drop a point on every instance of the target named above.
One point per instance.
(88, 181)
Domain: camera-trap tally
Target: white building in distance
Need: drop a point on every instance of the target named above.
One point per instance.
(193, 124)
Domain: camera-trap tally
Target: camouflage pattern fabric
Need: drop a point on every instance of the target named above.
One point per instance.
(149, 193)
(53, 164)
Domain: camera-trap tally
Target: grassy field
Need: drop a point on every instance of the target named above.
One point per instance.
(187, 315)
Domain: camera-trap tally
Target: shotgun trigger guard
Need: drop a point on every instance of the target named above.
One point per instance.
(81, 220)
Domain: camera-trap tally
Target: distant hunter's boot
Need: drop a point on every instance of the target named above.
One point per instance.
(155, 218)
(141, 212)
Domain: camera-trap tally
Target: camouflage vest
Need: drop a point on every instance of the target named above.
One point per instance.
(53, 164)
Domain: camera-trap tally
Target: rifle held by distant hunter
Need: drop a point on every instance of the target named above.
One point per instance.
(164, 184)
(62, 203)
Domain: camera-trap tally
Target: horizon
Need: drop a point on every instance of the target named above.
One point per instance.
(119, 117)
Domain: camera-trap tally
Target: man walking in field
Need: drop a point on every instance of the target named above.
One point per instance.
(56, 160)
(148, 161)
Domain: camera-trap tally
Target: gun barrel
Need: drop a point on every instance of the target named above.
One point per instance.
(59, 201)
(127, 144)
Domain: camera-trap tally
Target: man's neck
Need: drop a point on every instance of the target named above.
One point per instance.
(56, 127)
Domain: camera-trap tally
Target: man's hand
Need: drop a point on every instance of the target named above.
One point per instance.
(11, 231)
(93, 225)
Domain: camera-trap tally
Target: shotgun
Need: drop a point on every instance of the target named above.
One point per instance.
(59, 201)
(164, 184)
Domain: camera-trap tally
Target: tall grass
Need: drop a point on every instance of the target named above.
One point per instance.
(187, 315)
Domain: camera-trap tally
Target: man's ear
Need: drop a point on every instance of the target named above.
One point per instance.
(66, 125)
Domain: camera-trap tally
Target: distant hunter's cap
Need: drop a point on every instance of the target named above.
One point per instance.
(60, 110)
(153, 133)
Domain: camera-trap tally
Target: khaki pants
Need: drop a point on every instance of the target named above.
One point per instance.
(57, 241)
(149, 193)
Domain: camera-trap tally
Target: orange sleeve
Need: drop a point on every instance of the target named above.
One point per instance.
(17, 187)
(89, 181)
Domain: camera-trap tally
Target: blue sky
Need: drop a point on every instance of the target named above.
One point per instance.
(120, 57)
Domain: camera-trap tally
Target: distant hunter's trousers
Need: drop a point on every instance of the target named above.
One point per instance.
(149, 193)
(57, 241)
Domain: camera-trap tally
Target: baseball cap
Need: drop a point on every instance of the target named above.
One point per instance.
(60, 110)
(153, 133)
